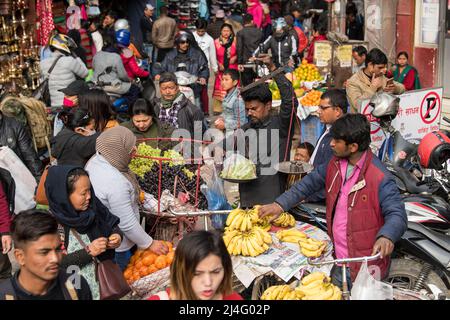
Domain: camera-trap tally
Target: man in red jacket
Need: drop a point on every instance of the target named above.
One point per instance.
(365, 212)
(6, 240)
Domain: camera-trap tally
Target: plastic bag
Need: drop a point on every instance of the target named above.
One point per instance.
(25, 182)
(217, 200)
(366, 287)
(238, 167)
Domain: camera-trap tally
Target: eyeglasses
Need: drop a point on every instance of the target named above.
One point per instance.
(325, 107)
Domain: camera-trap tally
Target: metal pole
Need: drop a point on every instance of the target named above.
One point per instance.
(345, 292)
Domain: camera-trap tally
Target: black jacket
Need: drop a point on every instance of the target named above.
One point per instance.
(213, 29)
(282, 50)
(14, 135)
(71, 148)
(195, 61)
(146, 28)
(266, 188)
(248, 40)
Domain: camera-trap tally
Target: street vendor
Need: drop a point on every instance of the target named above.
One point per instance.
(258, 104)
(365, 213)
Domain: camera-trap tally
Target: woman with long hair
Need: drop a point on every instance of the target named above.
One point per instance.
(201, 270)
(405, 73)
(99, 106)
(226, 59)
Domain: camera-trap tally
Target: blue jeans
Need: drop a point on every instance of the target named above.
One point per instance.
(122, 259)
(148, 49)
(336, 277)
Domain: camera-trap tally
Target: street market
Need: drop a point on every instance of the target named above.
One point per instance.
(224, 150)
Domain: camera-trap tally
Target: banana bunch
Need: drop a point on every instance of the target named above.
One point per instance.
(249, 243)
(291, 235)
(317, 286)
(264, 224)
(282, 292)
(285, 220)
(242, 220)
(312, 248)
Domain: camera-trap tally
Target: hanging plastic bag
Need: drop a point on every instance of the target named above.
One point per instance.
(25, 182)
(217, 200)
(366, 287)
(237, 167)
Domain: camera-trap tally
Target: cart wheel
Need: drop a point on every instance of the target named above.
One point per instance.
(263, 282)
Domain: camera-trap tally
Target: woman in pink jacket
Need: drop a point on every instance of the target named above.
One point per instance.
(255, 9)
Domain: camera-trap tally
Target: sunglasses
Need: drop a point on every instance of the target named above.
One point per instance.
(184, 41)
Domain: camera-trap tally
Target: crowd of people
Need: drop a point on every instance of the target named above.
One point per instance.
(103, 99)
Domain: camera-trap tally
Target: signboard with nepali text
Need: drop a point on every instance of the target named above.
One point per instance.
(419, 113)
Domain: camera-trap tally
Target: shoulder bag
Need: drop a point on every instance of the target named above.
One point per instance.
(111, 281)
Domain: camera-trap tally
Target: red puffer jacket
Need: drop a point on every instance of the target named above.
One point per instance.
(131, 66)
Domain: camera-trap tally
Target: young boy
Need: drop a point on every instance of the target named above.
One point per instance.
(233, 115)
(303, 152)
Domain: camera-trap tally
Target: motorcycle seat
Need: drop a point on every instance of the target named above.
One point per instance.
(410, 181)
(440, 239)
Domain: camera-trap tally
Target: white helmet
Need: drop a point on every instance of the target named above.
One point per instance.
(384, 104)
(121, 24)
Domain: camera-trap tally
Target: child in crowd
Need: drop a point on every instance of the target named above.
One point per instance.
(233, 115)
(303, 152)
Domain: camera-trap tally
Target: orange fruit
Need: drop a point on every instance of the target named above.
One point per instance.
(138, 264)
(127, 273)
(169, 257)
(148, 260)
(138, 253)
(152, 268)
(133, 260)
(143, 271)
(160, 262)
(170, 245)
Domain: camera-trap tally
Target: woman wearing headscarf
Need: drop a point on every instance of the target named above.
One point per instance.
(90, 230)
(117, 188)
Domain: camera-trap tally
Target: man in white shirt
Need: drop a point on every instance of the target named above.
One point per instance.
(206, 43)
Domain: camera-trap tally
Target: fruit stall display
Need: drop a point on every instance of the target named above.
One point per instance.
(304, 79)
(146, 262)
(168, 170)
(315, 286)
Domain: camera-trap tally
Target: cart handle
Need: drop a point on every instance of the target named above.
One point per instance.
(198, 213)
(346, 260)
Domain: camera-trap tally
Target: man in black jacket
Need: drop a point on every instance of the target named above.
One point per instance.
(248, 40)
(15, 136)
(37, 249)
(272, 134)
(189, 57)
(146, 28)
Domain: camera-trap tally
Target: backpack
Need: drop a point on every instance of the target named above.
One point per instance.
(41, 129)
(32, 113)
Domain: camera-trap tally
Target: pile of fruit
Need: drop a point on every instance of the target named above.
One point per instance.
(275, 91)
(242, 236)
(147, 171)
(315, 286)
(309, 247)
(311, 99)
(284, 220)
(307, 72)
(145, 262)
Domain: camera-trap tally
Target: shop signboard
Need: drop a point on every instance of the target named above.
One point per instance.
(419, 113)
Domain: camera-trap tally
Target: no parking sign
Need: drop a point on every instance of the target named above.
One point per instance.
(419, 113)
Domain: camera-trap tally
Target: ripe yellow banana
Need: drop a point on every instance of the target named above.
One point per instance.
(276, 292)
(337, 294)
(299, 294)
(309, 246)
(244, 247)
(312, 277)
(255, 246)
(311, 254)
(259, 239)
(285, 290)
(232, 244)
(293, 232)
(266, 294)
(238, 248)
(324, 294)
